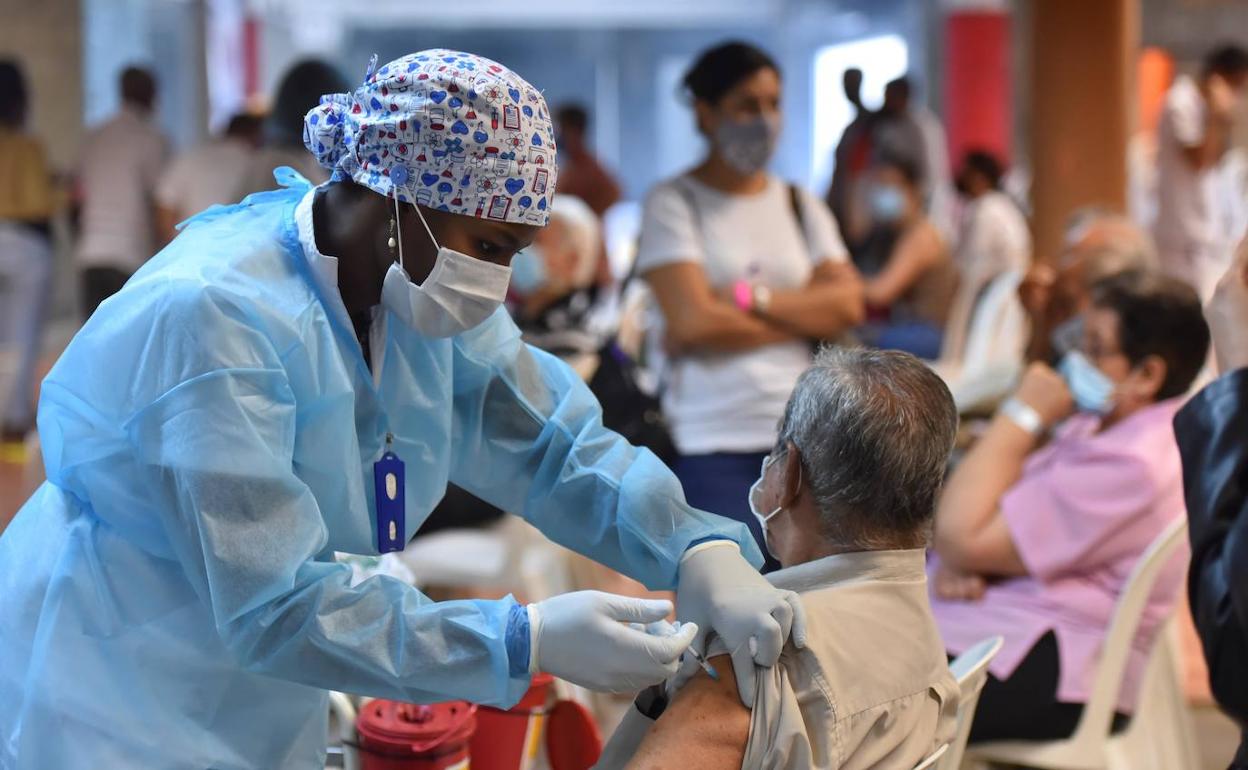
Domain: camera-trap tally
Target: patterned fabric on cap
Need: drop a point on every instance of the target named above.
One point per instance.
(448, 130)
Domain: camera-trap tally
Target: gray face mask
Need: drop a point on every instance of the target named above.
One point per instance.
(747, 145)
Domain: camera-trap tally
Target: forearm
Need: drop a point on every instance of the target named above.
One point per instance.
(549, 458)
(972, 496)
(820, 311)
(723, 328)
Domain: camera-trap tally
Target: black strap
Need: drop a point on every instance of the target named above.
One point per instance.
(795, 202)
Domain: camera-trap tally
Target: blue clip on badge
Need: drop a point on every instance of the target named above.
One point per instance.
(388, 479)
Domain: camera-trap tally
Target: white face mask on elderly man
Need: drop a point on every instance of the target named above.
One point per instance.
(755, 490)
(460, 293)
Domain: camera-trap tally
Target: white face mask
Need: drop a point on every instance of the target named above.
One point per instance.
(459, 294)
(755, 490)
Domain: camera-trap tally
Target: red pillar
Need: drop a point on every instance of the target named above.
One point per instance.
(978, 95)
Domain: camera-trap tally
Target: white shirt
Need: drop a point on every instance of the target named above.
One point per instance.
(1185, 213)
(121, 162)
(733, 402)
(213, 173)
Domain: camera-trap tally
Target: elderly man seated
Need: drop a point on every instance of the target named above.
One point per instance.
(846, 499)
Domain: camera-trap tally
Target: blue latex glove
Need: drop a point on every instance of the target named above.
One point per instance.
(720, 591)
(586, 638)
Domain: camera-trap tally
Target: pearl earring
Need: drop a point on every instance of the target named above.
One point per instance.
(392, 243)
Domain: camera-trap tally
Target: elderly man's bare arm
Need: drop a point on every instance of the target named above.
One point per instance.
(704, 728)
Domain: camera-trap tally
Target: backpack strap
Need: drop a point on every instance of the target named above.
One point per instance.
(795, 203)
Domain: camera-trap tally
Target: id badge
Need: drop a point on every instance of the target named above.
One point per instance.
(388, 473)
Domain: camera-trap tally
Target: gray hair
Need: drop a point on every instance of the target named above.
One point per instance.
(1109, 244)
(874, 429)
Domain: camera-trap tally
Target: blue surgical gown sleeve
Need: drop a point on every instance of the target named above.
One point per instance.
(527, 436)
(217, 448)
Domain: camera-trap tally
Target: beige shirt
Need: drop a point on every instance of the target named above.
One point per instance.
(872, 688)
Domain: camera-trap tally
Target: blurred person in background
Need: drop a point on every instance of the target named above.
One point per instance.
(298, 92)
(913, 289)
(215, 173)
(993, 239)
(938, 186)
(121, 164)
(581, 174)
(848, 494)
(1041, 523)
(853, 153)
(896, 133)
(747, 271)
(1194, 134)
(1098, 244)
(1211, 431)
(553, 283)
(26, 207)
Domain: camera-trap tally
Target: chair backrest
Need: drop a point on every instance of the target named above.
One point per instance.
(998, 326)
(1094, 725)
(971, 670)
(933, 758)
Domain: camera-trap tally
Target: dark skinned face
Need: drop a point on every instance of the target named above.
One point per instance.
(353, 224)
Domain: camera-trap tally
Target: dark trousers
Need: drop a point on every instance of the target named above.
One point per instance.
(1025, 706)
(98, 284)
(720, 483)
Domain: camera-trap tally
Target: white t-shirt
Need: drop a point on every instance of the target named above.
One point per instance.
(1186, 220)
(121, 162)
(214, 173)
(733, 402)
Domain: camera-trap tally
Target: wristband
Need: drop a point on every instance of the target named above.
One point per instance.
(1023, 416)
(743, 296)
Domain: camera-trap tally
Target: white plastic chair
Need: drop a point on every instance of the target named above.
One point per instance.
(1160, 735)
(971, 670)
(933, 758)
(343, 709)
(992, 355)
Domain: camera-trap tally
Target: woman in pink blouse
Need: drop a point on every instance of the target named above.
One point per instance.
(1042, 522)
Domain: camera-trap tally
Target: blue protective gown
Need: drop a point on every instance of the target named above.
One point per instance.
(169, 597)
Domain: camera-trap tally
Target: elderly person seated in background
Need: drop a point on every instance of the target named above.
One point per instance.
(1043, 521)
(1098, 245)
(911, 292)
(552, 282)
(846, 500)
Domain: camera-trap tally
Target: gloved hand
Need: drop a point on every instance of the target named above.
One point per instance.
(720, 591)
(585, 638)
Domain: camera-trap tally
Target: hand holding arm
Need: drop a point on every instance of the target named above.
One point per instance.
(722, 592)
(828, 305)
(696, 319)
(1227, 314)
